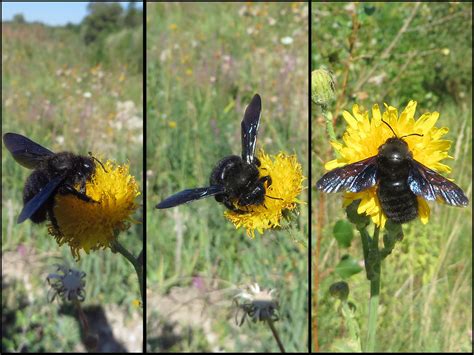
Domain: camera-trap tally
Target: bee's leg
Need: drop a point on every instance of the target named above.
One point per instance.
(68, 189)
(53, 219)
(82, 189)
(228, 203)
(256, 161)
(266, 179)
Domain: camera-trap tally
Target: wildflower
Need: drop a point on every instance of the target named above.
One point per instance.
(69, 284)
(287, 40)
(445, 51)
(363, 137)
(87, 95)
(94, 225)
(287, 178)
(260, 305)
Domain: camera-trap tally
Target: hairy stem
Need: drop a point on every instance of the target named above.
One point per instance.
(276, 336)
(373, 271)
(134, 261)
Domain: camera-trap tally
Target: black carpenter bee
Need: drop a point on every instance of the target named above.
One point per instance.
(52, 173)
(234, 179)
(399, 177)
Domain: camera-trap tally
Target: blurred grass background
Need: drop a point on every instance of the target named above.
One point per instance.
(393, 53)
(204, 64)
(59, 92)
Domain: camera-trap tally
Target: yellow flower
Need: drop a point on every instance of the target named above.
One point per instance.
(287, 182)
(88, 225)
(364, 136)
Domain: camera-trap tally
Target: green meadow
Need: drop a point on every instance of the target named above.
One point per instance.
(204, 64)
(56, 92)
(393, 53)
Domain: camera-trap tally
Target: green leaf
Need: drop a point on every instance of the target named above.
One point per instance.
(347, 267)
(343, 233)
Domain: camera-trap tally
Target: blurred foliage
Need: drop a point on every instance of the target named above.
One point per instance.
(392, 53)
(109, 29)
(393, 63)
(103, 19)
(18, 18)
(204, 64)
(54, 93)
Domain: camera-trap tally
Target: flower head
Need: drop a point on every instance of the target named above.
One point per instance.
(260, 305)
(287, 182)
(364, 136)
(94, 225)
(69, 284)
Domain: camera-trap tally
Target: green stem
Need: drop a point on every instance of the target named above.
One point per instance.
(329, 124)
(373, 265)
(365, 245)
(275, 335)
(134, 261)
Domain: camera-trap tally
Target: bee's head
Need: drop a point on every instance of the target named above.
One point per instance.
(394, 151)
(85, 166)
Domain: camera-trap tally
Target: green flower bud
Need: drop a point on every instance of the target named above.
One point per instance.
(339, 290)
(323, 89)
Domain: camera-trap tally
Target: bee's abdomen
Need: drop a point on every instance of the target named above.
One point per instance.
(398, 202)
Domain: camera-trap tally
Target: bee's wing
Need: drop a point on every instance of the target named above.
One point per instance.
(39, 199)
(354, 177)
(189, 195)
(249, 128)
(24, 150)
(430, 185)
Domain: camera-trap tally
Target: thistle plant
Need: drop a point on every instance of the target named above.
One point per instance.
(287, 183)
(91, 226)
(259, 305)
(69, 284)
(361, 171)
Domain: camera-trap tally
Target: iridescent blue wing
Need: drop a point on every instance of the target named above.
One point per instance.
(430, 185)
(24, 150)
(189, 195)
(40, 199)
(354, 177)
(249, 128)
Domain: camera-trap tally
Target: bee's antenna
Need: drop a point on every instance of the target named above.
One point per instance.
(408, 135)
(412, 134)
(93, 157)
(390, 128)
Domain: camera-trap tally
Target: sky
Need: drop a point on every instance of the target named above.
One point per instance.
(50, 13)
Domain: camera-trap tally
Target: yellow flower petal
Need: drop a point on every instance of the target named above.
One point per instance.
(423, 210)
(363, 137)
(287, 183)
(93, 225)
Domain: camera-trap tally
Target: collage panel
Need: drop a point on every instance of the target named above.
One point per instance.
(392, 167)
(236, 177)
(72, 163)
(227, 244)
